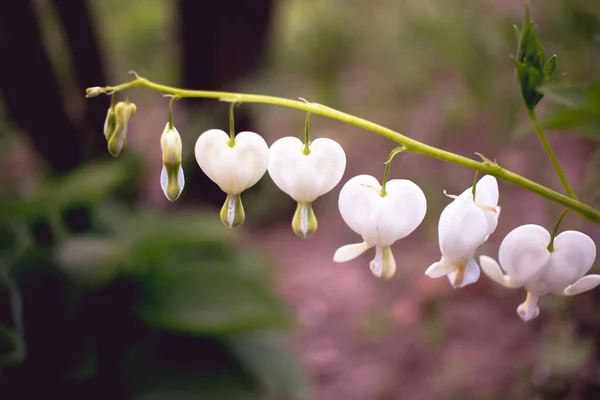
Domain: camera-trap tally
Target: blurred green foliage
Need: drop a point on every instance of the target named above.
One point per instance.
(183, 309)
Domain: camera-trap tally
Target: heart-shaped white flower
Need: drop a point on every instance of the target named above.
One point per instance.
(380, 220)
(305, 177)
(233, 165)
(525, 257)
(465, 224)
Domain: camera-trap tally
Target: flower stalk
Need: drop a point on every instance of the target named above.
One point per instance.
(485, 166)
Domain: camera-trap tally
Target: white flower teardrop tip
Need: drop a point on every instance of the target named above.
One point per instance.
(305, 177)
(380, 220)
(234, 168)
(526, 261)
(465, 224)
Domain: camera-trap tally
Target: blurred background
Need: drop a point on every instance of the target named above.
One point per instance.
(108, 291)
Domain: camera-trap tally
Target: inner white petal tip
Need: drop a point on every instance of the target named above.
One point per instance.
(350, 252)
(439, 269)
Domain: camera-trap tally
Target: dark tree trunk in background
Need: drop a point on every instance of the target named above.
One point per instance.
(82, 39)
(221, 43)
(30, 90)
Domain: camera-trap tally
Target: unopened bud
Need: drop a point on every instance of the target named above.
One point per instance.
(172, 179)
(304, 222)
(232, 213)
(110, 123)
(93, 91)
(170, 143)
(117, 139)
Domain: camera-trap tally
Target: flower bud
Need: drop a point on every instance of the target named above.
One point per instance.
(110, 123)
(232, 213)
(117, 139)
(172, 179)
(304, 222)
(93, 91)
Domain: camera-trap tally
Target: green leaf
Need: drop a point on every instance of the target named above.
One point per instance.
(12, 348)
(586, 123)
(87, 185)
(268, 358)
(90, 259)
(565, 94)
(209, 298)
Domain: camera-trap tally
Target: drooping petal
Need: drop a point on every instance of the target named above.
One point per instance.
(358, 203)
(584, 284)
(492, 269)
(523, 252)
(383, 265)
(439, 269)
(529, 309)
(350, 251)
(573, 256)
(233, 168)
(305, 177)
(464, 275)
(461, 229)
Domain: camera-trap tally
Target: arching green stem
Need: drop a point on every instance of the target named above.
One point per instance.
(486, 166)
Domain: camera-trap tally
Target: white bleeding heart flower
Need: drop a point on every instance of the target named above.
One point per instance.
(380, 220)
(172, 180)
(305, 177)
(527, 261)
(233, 165)
(465, 224)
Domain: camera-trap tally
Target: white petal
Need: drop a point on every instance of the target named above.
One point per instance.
(358, 203)
(492, 269)
(236, 168)
(486, 192)
(383, 265)
(523, 252)
(461, 230)
(350, 252)
(306, 177)
(529, 309)
(584, 284)
(464, 276)
(400, 212)
(164, 180)
(439, 269)
(573, 256)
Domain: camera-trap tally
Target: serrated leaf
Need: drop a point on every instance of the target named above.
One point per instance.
(209, 298)
(565, 94)
(270, 361)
